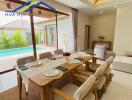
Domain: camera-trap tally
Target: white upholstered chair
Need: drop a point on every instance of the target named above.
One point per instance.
(73, 92)
(100, 51)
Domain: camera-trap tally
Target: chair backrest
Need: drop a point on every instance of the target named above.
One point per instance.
(45, 55)
(24, 60)
(110, 60)
(100, 50)
(101, 69)
(85, 89)
(58, 52)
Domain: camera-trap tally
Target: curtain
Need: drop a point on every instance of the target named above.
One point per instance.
(75, 26)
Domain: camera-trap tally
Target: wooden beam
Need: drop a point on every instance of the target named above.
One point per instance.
(33, 34)
(96, 1)
(39, 7)
(6, 71)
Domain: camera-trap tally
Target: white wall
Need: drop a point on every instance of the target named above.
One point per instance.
(123, 31)
(103, 25)
(83, 20)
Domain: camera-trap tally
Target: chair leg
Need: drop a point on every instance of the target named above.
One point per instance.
(19, 85)
(110, 76)
(26, 93)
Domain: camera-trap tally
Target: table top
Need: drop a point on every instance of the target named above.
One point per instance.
(35, 75)
(41, 81)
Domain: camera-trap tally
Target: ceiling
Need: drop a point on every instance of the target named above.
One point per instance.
(94, 7)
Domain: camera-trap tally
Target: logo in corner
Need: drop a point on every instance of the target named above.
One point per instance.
(28, 6)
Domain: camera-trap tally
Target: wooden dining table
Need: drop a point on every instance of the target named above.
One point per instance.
(45, 84)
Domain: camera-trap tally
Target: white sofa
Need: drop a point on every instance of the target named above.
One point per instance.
(123, 63)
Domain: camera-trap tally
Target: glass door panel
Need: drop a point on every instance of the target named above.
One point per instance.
(45, 30)
(15, 39)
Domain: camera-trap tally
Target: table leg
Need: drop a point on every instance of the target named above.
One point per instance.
(87, 68)
(19, 85)
(44, 95)
(94, 60)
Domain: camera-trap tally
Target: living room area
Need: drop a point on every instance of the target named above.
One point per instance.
(95, 28)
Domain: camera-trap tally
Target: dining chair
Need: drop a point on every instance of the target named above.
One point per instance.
(58, 52)
(100, 74)
(87, 91)
(108, 73)
(108, 70)
(24, 60)
(45, 55)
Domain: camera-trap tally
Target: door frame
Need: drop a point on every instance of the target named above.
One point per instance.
(87, 37)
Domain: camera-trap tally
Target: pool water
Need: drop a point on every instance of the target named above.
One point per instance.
(17, 51)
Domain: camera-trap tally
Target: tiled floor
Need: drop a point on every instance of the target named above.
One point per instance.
(119, 89)
(8, 81)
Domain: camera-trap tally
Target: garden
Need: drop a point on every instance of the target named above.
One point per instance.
(15, 40)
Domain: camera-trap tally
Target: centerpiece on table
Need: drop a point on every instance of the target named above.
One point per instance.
(101, 37)
(65, 45)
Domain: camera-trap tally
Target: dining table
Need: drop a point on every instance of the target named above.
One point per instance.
(35, 73)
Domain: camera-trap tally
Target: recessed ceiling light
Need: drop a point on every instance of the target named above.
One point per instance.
(101, 12)
(116, 6)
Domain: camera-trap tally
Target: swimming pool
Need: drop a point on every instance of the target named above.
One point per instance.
(17, 51)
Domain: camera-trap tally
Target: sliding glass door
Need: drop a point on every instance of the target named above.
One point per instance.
(15, 38)
(17, 32)
(51, 35)
(45, 31)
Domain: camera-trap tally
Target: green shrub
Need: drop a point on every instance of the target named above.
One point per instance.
(5, 41)
(18, 40)
(38, 37)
